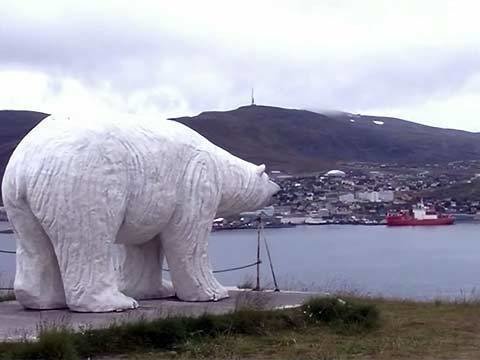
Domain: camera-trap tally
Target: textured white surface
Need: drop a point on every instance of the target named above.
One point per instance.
(78, 189)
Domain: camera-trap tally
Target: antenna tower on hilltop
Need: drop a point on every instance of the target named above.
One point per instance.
(253, 98)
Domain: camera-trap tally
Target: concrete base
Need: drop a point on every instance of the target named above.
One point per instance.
(17, 323)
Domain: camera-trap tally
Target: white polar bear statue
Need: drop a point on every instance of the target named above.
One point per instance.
(77, 188)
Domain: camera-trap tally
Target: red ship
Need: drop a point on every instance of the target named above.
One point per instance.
(419, 215)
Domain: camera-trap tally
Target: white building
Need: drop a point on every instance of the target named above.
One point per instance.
(282, 210)
(323, 212)
(371, 196)
(335, 173)
(347, 198)
(386, 195)
(266, 211)
(293, 219)
(376, 196)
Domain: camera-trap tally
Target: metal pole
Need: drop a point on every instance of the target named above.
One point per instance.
(257, 288)
(271, 264)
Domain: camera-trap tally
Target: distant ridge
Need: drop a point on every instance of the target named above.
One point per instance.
(14, 125)
(300, 140)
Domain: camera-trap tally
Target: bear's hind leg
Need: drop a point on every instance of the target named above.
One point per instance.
(38, 284)
(83, 235)
(140, 271)
(86, 264)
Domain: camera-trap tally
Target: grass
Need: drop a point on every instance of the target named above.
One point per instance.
(185, 335)
(407, 330)
(325, 328)
(143, 336)
(6, 295)
(247, 283)
(345, 316)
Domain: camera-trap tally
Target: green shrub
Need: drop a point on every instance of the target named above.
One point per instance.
(208, 325)
(57, 345)
(247, 283)
(162, 334)
(340, 314)
(7, 296)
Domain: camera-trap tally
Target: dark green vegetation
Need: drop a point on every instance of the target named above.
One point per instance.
(6, 295)
(342, 315)
(459, 192)
(181, 333)
(409, 331)
(406, 330)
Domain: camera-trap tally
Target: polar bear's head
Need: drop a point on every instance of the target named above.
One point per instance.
(263, 189)
(248, 189)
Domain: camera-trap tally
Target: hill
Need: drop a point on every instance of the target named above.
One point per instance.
(14, 125)
(300, 140)
(462, 191)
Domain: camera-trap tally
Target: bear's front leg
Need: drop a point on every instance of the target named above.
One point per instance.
(190, 269)
(38, 284)
(140, 271)
(185, 239)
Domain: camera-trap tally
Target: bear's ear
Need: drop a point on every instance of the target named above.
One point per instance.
(260, 169)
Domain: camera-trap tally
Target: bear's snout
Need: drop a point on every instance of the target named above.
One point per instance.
(275, 190)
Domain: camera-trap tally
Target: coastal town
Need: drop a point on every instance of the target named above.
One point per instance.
(363, 194)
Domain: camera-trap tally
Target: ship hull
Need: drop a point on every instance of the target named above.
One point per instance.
(403, 221)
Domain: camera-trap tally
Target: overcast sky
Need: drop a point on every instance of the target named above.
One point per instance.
(418, 60)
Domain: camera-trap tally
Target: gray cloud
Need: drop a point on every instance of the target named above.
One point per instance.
(147, 64)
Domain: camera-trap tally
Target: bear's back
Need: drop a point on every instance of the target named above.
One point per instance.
(64, 131)
(148, 145)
